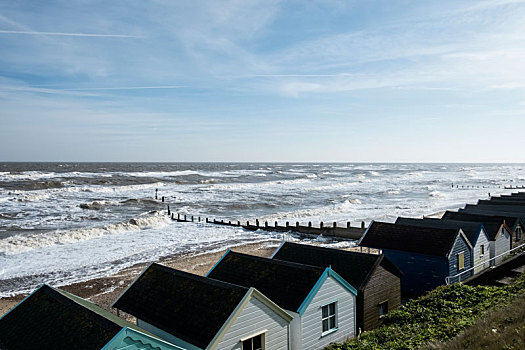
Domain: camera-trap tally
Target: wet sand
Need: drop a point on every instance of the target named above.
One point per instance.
(104, 291)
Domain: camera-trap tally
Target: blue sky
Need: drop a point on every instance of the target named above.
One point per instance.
(347, 81)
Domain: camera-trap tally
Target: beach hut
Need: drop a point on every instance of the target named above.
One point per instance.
(195, 312)
(502, 211)
(426, 256)
(50, 318)
(321, 302)
(474, 231)
(377, 280)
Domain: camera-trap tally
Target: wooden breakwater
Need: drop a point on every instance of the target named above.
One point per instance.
(347, 232)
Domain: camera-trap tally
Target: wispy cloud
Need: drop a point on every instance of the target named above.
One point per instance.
(68, 34)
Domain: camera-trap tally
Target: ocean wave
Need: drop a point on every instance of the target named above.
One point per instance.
(26, 242)
(436, 194)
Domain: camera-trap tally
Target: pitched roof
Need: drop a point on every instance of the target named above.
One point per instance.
(354, 267)
(422, 240)
(287, 284)
(190, 307)
(516, 209)
(484, 218)
(492, 211)
(469, 228)
(49, 319)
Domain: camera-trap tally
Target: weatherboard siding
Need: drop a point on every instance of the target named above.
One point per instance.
(382, 286)
(254, 318)
(311, 320)
(460, 245)
(501, 245)
(421, 272)
(482, 260)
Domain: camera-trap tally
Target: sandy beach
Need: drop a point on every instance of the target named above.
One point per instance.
(103, 291)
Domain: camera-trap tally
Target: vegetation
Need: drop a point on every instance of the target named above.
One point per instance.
(436, 317)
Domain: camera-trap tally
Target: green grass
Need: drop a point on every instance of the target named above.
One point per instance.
(436, 317)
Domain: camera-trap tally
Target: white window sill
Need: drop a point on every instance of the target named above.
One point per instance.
(328, 332)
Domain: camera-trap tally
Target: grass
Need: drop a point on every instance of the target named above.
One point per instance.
(501, 328)
(440, 316)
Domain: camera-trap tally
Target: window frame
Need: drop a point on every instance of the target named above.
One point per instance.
(381, 315)
(253, 336)
(329, 316)
(461, 258)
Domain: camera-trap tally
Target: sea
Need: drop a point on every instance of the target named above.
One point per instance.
(62, 223)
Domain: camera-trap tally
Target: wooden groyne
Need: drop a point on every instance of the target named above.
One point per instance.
(332, 230)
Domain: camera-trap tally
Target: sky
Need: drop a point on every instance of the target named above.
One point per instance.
(263, 81)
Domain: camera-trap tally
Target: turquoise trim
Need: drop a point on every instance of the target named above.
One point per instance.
(20, 302)
(328, 272)
(123, 339)
(343, 282)
(217, 263)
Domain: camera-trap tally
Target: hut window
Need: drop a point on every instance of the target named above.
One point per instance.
(255, 343)
(329, 317)
(482, 250)
(461, 261)
(383, 308)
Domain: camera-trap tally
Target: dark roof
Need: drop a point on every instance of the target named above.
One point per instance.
(48, 319)
(190, 307)
(285, 283)
(484, 218)
(508, 200)
(492, 229)
(469, 228)
(493, 210)
(354, 267)
(422, 240)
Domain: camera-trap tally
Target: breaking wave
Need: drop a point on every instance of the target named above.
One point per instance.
(26, 242)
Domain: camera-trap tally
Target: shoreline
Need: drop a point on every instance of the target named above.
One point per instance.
(103, 291)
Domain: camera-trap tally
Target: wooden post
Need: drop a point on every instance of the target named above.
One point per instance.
(247, 223)
(178, 216)
(309, 224)
(156, 193)
(172, 216)
(169, 212)
(335, 224)
(266, 224)
(287, 224)
(362, 224)
(257, 222)
(348, 224)
(238, 223)
(199, 219)
(222, 221)
(207, 220)
(162, 199)
(321, 224)
(276, 224)
(229, 222)
(297, 224)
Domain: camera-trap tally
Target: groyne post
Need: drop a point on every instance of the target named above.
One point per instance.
(287, 224)
(169, 212)
(276, 224)
(297, 224)
(266, 224)
(362, 224)
(335, 224)
(156, 193)
(321, 224)
(178, 216)
(309, 224)
(348, 224)
(162, 199)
